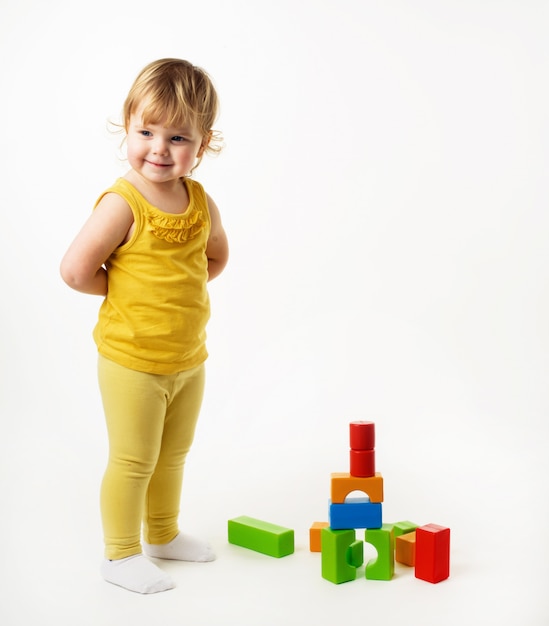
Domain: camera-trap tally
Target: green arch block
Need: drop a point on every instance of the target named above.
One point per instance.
(341, 555)
(382, 567)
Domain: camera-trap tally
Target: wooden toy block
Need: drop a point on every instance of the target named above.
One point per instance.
(342, 483)
(362, 435)
(261, 536)
(362, 463)
(401, 528)
(314, 536)
(355, 513)
(340, 555)
(355, 554)
(405, 548)
(382, 567)
(432, 553)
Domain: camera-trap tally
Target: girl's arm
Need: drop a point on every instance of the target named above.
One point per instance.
(217, 248)
(82, 266)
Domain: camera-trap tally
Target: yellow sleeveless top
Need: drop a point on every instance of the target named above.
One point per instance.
(154, 316)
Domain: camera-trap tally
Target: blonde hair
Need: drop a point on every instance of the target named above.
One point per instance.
(176, 93)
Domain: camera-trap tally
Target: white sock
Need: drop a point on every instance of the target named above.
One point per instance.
(182, 548)
(136, 573)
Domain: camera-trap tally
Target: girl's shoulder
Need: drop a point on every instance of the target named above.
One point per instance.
(195, 189)
(123, 188)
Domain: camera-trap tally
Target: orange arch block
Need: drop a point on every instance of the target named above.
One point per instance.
(343, 483)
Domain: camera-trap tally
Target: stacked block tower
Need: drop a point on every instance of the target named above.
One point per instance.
(426, 548)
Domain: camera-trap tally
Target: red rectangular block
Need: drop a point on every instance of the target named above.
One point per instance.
(432, 553)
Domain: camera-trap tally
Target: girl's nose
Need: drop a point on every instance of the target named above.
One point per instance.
(160, 146)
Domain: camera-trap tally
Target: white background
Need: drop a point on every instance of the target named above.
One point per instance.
(384, 188)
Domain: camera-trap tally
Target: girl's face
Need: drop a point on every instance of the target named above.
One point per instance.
(160, 154)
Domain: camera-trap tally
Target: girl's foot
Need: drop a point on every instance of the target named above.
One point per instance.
(136, 573)
(182, 548)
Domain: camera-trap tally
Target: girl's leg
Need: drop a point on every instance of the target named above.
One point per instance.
(161, 530)
(135, 408)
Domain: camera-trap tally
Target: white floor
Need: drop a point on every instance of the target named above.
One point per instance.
(52, 540)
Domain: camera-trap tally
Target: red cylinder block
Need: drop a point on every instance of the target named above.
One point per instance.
(362, 435)
(363, 463)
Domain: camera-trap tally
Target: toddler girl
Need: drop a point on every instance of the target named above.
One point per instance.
(153, 241)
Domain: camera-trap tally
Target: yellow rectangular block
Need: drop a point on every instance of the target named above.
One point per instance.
(343, 483)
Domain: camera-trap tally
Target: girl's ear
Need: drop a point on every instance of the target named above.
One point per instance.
(205, 143)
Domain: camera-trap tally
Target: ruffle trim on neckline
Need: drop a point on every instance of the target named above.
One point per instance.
(176, 229)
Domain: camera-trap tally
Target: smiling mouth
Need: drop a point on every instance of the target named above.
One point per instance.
(158, 164)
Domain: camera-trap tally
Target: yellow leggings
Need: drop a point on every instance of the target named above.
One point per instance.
(151, 421)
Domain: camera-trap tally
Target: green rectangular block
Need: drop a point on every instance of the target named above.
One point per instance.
(401, 528)
(260, 536)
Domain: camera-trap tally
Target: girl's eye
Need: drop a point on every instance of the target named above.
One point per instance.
(145, 133)
(178, 138)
